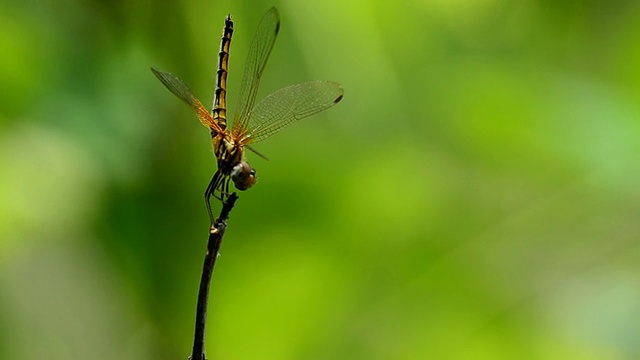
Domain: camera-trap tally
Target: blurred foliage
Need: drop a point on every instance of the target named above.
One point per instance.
(474, 196)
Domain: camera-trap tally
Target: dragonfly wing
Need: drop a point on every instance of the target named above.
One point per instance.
(259, 52)
(182, 91)
(289, 105)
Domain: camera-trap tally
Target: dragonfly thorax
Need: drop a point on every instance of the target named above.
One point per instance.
(231, 162)
(243, 175)
(227, 152)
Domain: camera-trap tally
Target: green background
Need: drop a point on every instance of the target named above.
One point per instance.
(474, 196)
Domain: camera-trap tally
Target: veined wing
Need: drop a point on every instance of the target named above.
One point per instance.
(259, 52)
(289, 105)
(182, 91)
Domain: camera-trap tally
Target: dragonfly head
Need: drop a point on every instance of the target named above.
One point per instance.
(243, 175)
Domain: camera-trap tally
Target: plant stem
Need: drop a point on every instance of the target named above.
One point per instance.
(216, 232)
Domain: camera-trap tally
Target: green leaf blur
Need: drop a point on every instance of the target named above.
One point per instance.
(474, 196)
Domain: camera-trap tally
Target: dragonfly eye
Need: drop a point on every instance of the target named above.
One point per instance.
(243, 176)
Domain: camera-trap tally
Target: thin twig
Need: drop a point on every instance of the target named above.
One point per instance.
(216, 232)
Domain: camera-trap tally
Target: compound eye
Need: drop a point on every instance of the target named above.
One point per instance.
(243, 176)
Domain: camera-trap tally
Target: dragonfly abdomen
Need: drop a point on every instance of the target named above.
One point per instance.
(219, 108)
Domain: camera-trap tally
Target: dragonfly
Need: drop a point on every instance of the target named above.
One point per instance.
(251, 123)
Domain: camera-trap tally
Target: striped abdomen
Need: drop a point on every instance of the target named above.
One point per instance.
(219, 108)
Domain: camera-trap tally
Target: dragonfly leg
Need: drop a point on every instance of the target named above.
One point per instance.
(226, 188)
(210, 191)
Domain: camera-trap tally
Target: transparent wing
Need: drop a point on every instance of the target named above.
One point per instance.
(259, 52)
(289, 105)
(182, 91)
